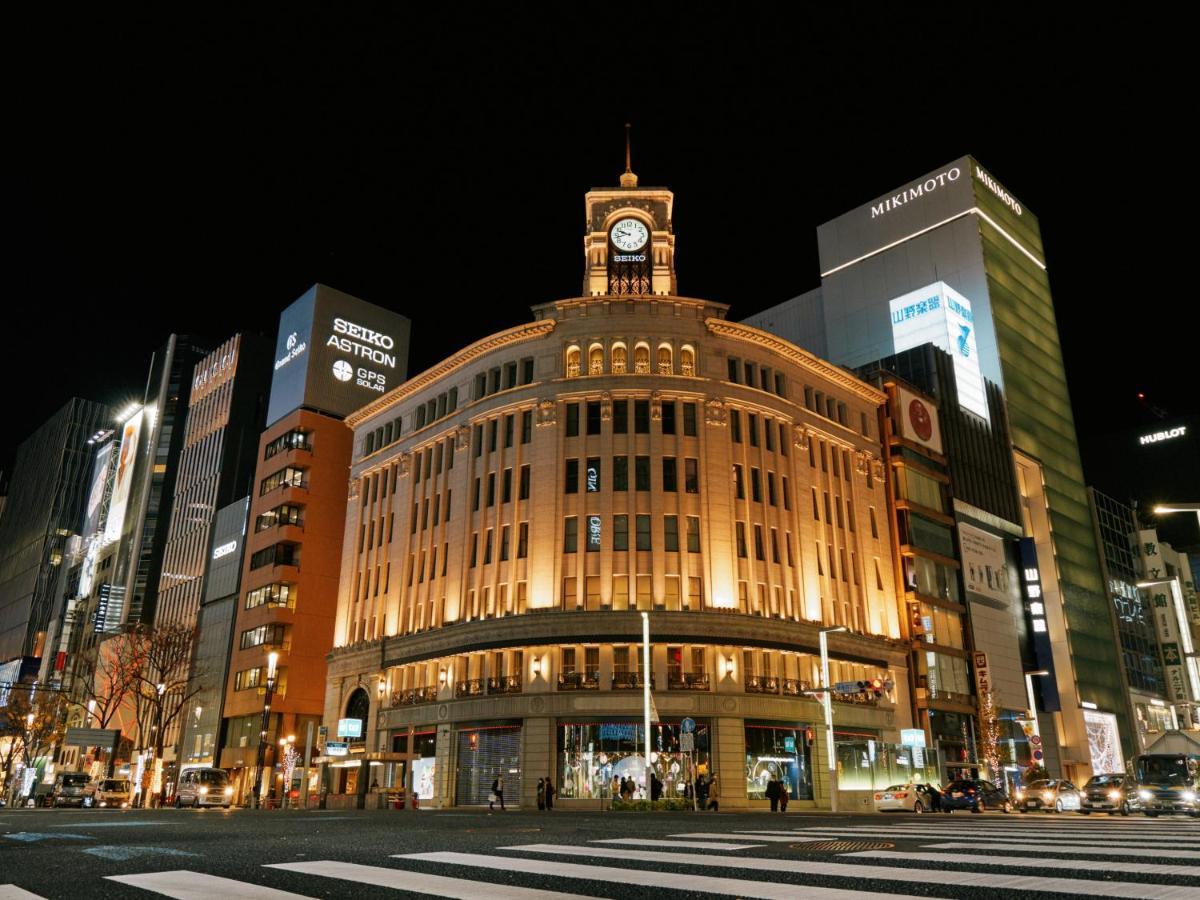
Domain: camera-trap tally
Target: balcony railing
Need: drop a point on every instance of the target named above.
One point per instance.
(794, 688)
(504, 684)
(470, 688)
(414, 696)
(687, 681)
(762, 684)
(629, 681)
(578, 681)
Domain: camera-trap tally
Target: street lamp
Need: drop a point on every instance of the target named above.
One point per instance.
(272, 659)
(827, 702)
(1029, 676)
(1167, 508)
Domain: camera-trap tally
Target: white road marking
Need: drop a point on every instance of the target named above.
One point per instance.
(419, 882)
(1030, 862)
(996, 880)
(1077, 849)
(12, 892)
(103, 824)
(815, 834)
(721, 836)
(690, 845)
(184, 885)
(123, 852)
(703, 884)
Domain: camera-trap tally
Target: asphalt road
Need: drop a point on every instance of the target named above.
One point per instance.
(271, 855)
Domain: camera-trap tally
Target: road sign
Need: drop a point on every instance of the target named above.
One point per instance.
(92, 737)
(687, 726)
(912, 737)
(1035, 739)
(337, 748)
(1037, 755)
(349, 728)
(687, 742)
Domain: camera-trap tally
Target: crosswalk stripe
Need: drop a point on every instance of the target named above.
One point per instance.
(1028, 862)
(996, 880)
(1123, 849)
(1015, 836)
(419, 882)
(718, 836)
(703, 884)
(688, 845)
(184, 885)
(12, 892)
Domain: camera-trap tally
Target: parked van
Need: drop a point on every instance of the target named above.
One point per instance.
(69, 788)
(108, 793)
(204, 787)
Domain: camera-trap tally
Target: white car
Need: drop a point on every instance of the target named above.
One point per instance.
(903, 797)
(109, 792)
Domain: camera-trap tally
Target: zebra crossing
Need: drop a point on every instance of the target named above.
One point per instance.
(1006, 856)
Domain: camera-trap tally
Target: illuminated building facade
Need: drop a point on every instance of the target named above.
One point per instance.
(956, 260)
(514, 509)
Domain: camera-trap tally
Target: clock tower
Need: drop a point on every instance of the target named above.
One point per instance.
(629, 247)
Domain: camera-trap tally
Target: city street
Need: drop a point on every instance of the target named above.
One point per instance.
(467, 853)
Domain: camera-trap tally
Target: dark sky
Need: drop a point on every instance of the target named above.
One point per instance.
(196, 175)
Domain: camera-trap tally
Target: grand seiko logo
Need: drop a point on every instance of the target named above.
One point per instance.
(295, 347)
(928, 186)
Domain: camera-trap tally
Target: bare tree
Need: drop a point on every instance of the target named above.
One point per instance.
(164, 684)
(31, 722)
(110, 677)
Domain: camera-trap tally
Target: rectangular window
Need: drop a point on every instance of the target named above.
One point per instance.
(510, 375)
(620, 473)
(643, 532)
(783, 438)
(771, 496)
(834, 454)
(642, 473)
(828, 510)
(739, 483)
(620, 532)
(733, 370)
(774, 545)
(523, 490)
(491, 489)
(620, 415)
(671, 534)
(741, 539)
(570, 534)
(527, 370)
(526, 426)
(572, 477)
(669, 472)
(840, 520)
(594, 529)
(769, 435)
(474, 496)
(478, 440)
(641, 416)
(506, 487)
(755, 485)
(474, 550)
(689, 419)
(874, 526)
(572, 420)
(748, 369)
(752, 423)
(593, 474)
(693, 534)
(503, 543)
(593, 417)
(812, 457)
(735, 426)
(787, 540)
(758, 543)
(850, 515)
(493, 429)
(787, 494)
(487, 548)
(668, 417)
(523, 541)
(691, 476)
(509, 423)
(779, 385)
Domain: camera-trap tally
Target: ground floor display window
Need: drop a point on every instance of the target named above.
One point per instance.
(778, 753)
(424, 766)
(485, 754)
(595, 756)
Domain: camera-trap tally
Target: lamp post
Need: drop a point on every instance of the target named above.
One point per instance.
(1033, 718)
(272, 659)
(155, 739)
(29, 746)
(827, 703)
(1167, 508)
(646, 694)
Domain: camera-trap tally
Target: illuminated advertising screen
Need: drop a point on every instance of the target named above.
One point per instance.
(335, 354)
(939, 315)
(96, 494)
(123, 478)
(985, 570)
(918, 420)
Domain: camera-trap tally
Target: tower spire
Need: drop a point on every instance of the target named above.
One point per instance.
(628, 179)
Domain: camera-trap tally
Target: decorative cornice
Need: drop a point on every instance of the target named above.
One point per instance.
(746, 334)
(520, 334)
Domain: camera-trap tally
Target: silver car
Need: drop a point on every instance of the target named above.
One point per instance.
(1052, 795)
(204, 787)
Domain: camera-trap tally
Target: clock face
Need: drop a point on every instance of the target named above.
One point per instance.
(629, 235)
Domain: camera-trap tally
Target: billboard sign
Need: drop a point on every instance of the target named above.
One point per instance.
(918, 420)
(96, 495)
(349, 728)
(123, 479)
(336, 353)
(939, 315)
(985, 570)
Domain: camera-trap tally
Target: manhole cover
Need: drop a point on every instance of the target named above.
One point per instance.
(842, 846)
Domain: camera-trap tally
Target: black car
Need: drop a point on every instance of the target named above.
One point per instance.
(1116, 793)
(976, 795)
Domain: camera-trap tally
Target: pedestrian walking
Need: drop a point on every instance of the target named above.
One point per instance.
(541, 793)
(656, 787)
(497, 793)
(773, 793)
(701, 791)
(783, 796)
(549, 794)
(713, 799)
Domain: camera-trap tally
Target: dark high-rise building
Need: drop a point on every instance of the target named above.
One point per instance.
(956, 260)
(45, 506)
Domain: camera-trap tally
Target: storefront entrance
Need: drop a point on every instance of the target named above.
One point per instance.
(483, 755)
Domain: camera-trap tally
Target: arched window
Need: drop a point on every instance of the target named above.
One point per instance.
(641, 359)
(619, 361)
(359, 707)
(687, 360)
(664, 359)
(596, 359)
(573, 369)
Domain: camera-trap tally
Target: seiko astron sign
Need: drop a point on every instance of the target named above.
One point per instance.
(336, 353)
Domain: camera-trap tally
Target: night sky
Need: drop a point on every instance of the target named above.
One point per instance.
(197, 175)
